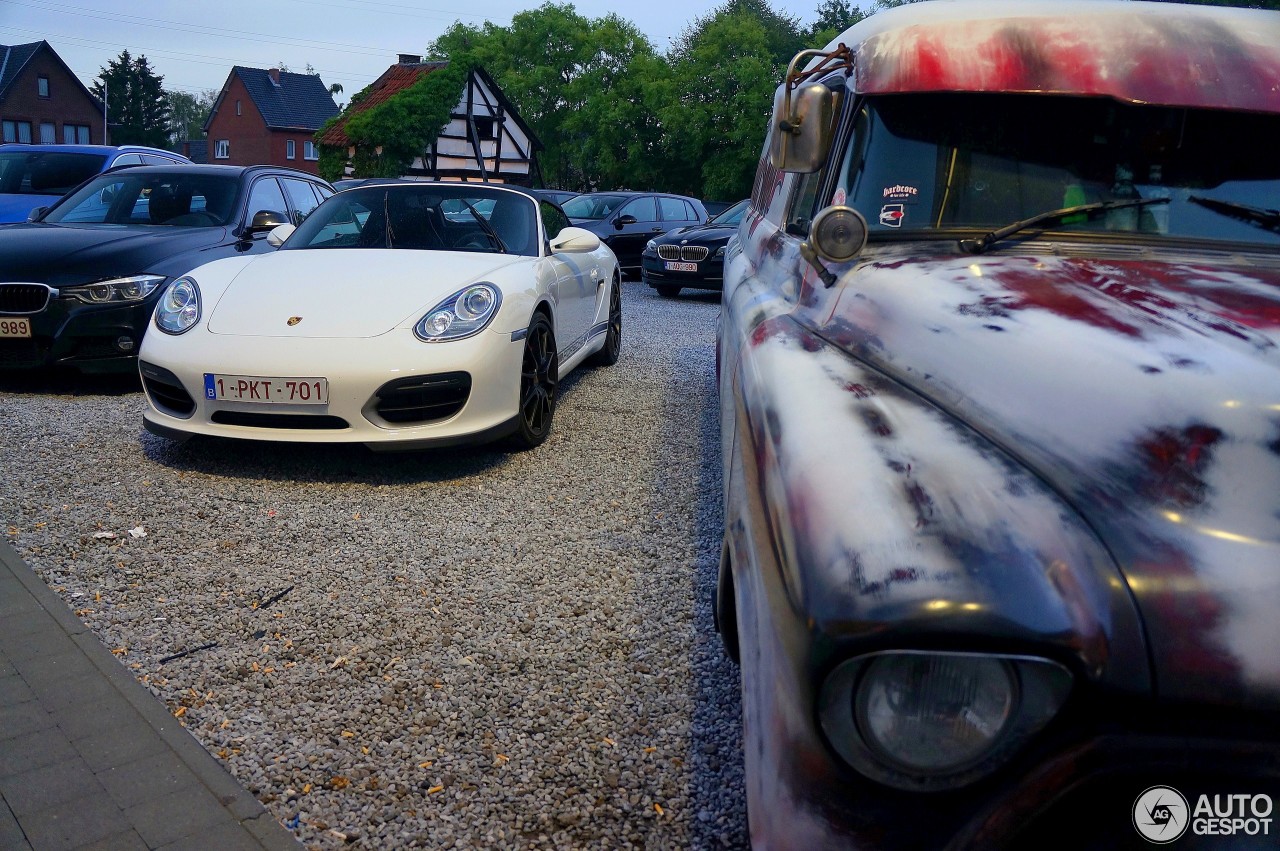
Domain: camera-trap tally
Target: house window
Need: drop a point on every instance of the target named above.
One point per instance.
(48, 133)
(75, 134)
(290, 149)
(237, 107)
(17, 131)
(309, 151)
(222, 149)
(484, 127)
(42, 84)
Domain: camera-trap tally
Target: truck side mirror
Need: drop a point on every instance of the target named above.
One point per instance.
(800, 130)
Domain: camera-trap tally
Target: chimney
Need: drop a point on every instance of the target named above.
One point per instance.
(275, 75)
(409, 59)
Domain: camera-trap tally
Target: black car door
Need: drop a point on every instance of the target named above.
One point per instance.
(634, 224)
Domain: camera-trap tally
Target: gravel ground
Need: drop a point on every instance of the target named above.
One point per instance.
(467, 649)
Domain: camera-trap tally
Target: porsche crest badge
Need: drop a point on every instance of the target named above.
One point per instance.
(294, 320)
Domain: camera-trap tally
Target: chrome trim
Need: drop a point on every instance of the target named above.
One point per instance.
(689, 253)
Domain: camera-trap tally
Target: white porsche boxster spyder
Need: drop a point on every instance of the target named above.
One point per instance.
(397, 315)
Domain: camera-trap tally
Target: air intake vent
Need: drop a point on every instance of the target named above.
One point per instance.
(423, 398)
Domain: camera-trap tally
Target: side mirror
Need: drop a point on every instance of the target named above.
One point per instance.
(800, 130)
(573, 240)
(622, 221)
(34, 215)
(266, 220)
(278, 235)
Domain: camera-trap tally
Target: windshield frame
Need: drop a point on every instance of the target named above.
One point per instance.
(830, 181)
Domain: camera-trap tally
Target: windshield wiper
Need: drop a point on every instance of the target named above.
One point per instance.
(1265, 219)
(982, 243)
(486, 227)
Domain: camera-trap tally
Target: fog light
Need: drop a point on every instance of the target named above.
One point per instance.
(125, 344)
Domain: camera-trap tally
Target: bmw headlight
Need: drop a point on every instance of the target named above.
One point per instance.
(651, 246)
(720, 252)
(462, 314)
(179, 307)
(115, 290)
(925, 721)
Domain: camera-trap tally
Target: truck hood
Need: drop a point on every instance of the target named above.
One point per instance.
(344, 293)
(65, 255)
(1145, 392)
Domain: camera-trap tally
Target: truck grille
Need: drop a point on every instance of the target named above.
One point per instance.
(691, 253)
(23, 298)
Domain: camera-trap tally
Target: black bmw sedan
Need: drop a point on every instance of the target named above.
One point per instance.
(77, 286)
(691, 256)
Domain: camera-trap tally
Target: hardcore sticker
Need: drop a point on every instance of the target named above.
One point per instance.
(899, 192)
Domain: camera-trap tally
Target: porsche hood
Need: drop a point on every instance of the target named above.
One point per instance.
(1146, 393)
(342, 293)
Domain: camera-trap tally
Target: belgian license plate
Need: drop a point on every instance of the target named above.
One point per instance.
(676, 266)
(14, 327)
(271, 391)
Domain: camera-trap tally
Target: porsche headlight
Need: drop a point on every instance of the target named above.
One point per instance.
(115, 290)
(462, 314)
(923, 721)
(179, 307)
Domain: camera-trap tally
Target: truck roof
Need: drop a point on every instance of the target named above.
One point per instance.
(1143, 52)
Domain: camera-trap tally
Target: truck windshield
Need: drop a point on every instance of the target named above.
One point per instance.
(961, 162)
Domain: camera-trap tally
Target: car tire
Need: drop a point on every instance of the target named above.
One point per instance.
(724, 608)
(539, 384)
(668, 291)
(608, 354)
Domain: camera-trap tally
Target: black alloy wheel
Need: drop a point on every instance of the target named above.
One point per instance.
(608, 354)
(539, 383)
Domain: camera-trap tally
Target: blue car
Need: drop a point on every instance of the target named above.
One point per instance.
(34, 176)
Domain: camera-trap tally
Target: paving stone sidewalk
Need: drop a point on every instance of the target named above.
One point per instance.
(88, 757)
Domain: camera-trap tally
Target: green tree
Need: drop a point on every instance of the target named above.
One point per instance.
(187, 114)
(834, 17)
(724, 70)
(578, 83)
(137, 104)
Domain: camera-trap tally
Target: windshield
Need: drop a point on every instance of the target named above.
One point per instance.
(926, 163)
(45, 172)
(592, 206)
(425, 217)
(731, 216)
(133, 198)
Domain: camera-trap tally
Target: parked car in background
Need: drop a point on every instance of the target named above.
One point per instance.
(555, 196)
(399, 316)
(691, 256)
(77, 286)
(625, 221)
(715, 208)
(33, 176)
(999, 369)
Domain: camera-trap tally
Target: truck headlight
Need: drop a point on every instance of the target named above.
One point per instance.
(924, 721)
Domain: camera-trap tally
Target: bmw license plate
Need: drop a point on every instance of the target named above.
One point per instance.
(677, 266)
(271, 391)
(15, 327)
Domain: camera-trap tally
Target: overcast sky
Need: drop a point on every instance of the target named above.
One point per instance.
(194, 44)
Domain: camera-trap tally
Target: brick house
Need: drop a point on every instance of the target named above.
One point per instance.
(485, 138)
(268, 117)
(42, 101)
